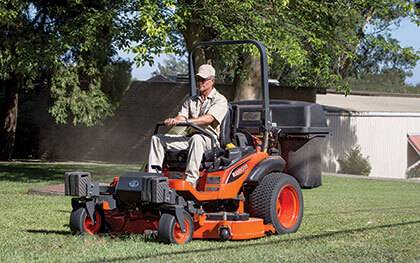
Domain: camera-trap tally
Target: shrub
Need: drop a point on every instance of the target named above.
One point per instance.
(414, 172)
(354, 163)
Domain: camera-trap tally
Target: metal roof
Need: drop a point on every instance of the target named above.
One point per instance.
(414, 141)
(358, 103)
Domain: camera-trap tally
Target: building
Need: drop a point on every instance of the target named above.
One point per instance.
(386, 129)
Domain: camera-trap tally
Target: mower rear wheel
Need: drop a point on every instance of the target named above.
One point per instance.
(169, 230)
(80, 222)
(278, 200)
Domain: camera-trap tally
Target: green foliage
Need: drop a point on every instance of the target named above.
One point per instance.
(310, 43)
(171, 67)
(70, 45)
(414, 172)
(116, 80)
(87, 97)
(83, 105)
(379, 53)
(354, 163)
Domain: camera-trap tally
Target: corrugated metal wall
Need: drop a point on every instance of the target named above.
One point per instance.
(381, 136)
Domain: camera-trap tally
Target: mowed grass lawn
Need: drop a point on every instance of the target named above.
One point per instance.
(345, 220)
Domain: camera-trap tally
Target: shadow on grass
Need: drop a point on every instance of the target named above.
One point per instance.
(144, 237)
(254, 245)
(33, 172)
(63, 211)
(367, 210)
(43, 231)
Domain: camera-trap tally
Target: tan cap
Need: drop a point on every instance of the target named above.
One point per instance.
(205, 71)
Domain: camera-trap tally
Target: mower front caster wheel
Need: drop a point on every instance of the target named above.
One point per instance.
(169, 230)
(81, 223)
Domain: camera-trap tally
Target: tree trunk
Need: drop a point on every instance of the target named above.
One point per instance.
(193, 35)
(9, 119)
(247, 80)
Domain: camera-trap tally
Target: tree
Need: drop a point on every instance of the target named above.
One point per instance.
(189, 22)
(377, 54)
(67, 45)
(171, 67)
(310, 43)
(353, 162)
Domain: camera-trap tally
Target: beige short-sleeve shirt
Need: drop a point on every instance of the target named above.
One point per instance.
(215, 105)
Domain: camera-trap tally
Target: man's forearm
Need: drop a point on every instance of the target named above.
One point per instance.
(202, 120)
(180, 118)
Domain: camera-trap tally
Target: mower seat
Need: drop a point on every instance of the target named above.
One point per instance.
(177, 159)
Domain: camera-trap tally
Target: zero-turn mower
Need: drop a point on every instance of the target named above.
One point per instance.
(250, 182)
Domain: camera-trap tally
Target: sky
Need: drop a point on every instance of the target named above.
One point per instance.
(409, 36)
(407, 33)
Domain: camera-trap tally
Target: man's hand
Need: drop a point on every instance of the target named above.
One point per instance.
(171, 122)
(174, 121)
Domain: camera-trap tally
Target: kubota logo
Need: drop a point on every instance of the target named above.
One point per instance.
(240, 170)
(133, 183)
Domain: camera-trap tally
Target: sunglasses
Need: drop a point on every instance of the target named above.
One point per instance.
(202, 80)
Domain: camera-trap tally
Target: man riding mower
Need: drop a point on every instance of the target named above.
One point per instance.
(249, 176)
(207, 110)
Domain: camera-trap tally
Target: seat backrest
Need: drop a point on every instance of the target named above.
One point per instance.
(225, 128)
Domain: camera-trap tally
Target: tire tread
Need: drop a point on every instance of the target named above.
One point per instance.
(264, 197)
